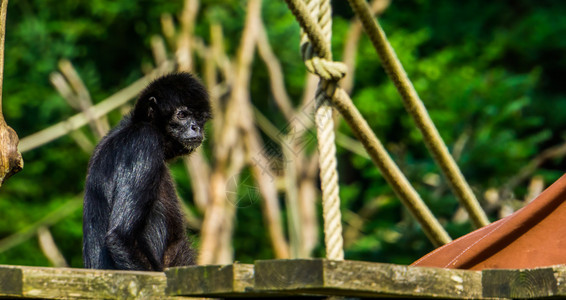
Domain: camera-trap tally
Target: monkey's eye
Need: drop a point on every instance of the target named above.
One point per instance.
(182, 114)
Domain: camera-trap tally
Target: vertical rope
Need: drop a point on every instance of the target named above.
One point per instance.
(329, 179)
(325, 131)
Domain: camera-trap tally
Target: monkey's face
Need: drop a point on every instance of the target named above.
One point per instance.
(187, 128)
(178, 106)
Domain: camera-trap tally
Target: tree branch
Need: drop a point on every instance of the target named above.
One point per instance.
(49, 248)
(118, 99)
(3, 13)
(10, 159)
(275, 74)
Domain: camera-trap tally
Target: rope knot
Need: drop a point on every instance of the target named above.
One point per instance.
(326, 69)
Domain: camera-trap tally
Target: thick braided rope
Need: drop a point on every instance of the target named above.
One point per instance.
(327, 70)
(375, 149)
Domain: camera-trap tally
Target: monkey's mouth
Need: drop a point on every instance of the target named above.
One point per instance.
(191, 143)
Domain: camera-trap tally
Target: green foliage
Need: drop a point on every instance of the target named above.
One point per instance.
(490, 75)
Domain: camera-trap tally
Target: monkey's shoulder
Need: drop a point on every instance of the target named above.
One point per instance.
(128, 144)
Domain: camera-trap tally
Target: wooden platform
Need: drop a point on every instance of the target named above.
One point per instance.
(276, 278)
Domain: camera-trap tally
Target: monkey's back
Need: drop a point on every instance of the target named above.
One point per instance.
(96, 207)
(104, 183)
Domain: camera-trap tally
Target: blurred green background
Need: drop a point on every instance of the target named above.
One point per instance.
(491, 74)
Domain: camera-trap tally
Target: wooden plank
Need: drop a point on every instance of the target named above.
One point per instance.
(560, 276)
(58, 283)
(81, 283)
(364, 279)
(10, 281)
(286, 275)
(302, 277)
(531, 283)
(211, 280)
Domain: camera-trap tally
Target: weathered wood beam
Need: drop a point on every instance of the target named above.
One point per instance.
(10, 282)
(280, 278)
(65, 283)
(212, 280)
(524, 284)
(364, 279)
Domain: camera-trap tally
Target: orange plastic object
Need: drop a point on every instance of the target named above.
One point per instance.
(534, 236)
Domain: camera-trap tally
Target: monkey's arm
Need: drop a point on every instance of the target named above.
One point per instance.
(138, 172)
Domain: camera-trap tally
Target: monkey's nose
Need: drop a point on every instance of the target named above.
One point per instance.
(194, 135)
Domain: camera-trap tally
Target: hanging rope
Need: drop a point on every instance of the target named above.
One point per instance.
(323, 66)
(329, 72)
(417, 110)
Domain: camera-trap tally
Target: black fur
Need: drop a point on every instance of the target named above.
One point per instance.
(132, 218)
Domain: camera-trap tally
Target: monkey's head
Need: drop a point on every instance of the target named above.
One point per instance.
(178, 105)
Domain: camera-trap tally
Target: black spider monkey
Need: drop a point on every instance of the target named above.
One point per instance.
(132, 218)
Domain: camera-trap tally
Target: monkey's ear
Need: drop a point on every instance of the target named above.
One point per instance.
(152, 101)
(151, 107)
